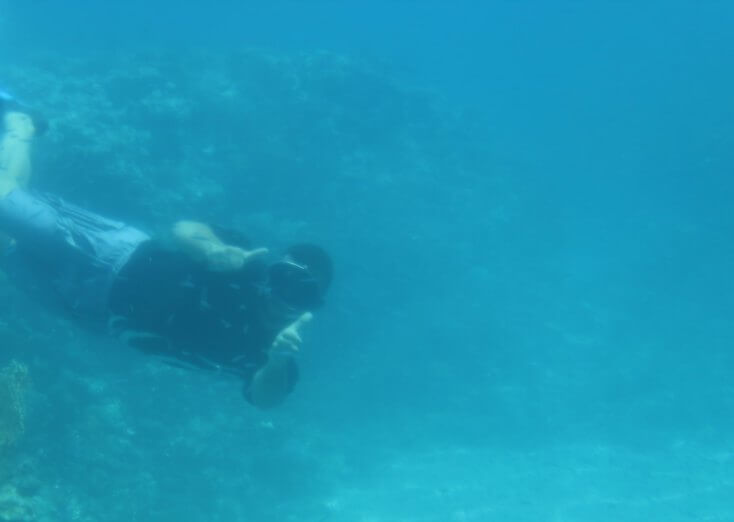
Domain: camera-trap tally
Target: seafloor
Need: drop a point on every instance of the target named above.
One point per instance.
(389, 176)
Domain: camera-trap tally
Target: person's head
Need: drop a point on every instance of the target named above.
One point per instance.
(302, 277)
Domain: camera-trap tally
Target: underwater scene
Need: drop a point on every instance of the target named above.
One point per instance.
(498, 277)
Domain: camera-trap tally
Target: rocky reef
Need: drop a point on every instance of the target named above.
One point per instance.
(14, 383)
(254, 137)
(15, 505)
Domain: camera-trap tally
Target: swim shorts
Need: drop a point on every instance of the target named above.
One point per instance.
(78, 252)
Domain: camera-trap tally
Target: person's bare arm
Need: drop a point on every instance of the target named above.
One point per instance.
(201, 243)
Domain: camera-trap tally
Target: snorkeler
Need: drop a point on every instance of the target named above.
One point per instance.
(202, 297)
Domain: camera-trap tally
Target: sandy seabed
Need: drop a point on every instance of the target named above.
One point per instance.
(570, 483)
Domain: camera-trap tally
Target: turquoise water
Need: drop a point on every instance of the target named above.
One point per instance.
(529, 208)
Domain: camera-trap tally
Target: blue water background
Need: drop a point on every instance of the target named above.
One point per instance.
(568, 287)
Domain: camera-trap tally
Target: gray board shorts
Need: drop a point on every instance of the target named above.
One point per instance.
(77, 252)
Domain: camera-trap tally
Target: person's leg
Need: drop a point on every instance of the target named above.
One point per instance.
(15, 157)
(15, 151)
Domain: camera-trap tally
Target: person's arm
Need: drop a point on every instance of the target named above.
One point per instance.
(200, 242)
(273, 382)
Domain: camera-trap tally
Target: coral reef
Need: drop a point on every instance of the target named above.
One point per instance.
(13, 391)
(197, 133)
(14, 384)
(14, 507)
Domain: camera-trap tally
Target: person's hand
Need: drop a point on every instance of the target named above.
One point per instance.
(289, 339)
(227, 258)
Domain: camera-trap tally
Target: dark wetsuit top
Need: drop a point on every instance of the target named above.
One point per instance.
(208, 319)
